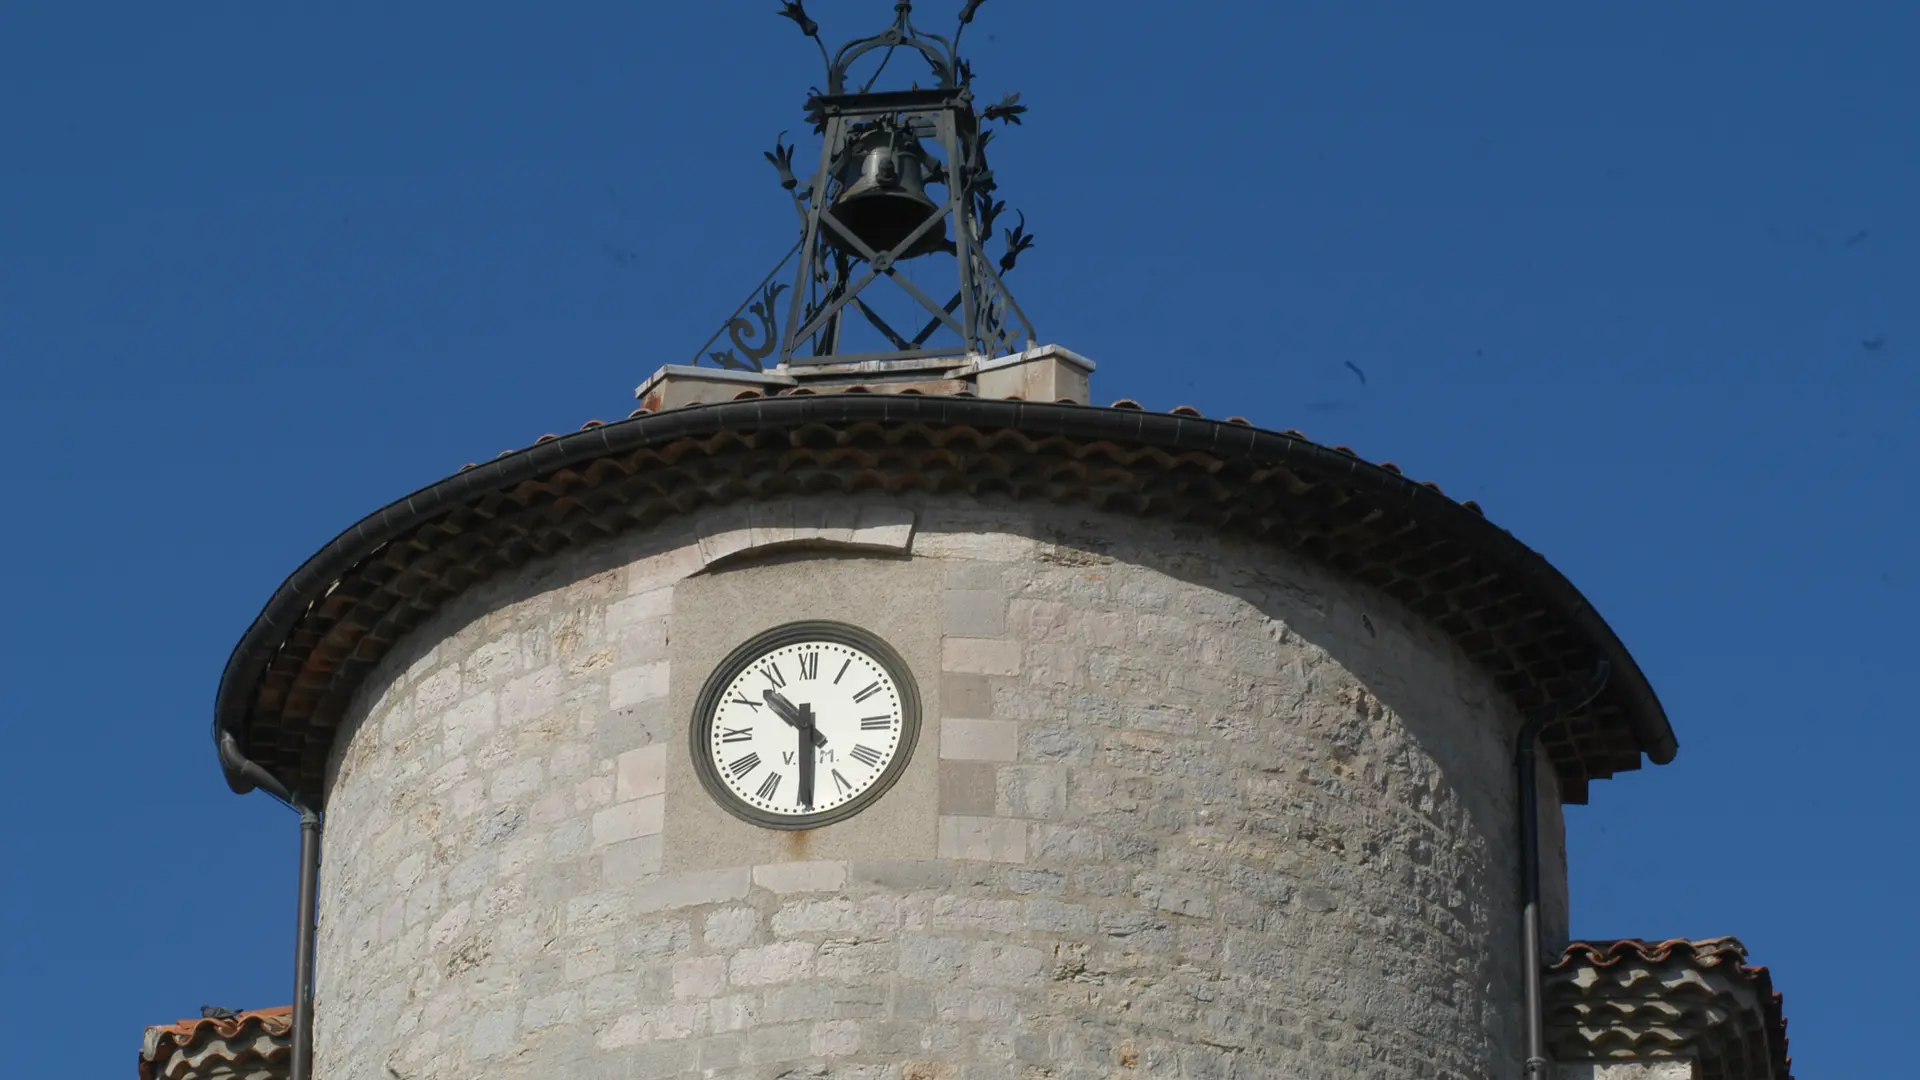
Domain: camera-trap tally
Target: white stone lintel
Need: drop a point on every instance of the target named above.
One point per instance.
(881, 527)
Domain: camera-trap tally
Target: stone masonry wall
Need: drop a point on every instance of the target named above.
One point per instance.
(1181, 807)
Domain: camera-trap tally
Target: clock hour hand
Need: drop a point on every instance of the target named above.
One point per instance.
(788, 711)
(807, 732)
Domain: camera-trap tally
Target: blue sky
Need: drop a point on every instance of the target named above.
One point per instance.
(1640, 278)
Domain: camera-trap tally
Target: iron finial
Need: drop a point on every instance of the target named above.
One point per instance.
(795, 10)
(1009, 109)
(781, 156)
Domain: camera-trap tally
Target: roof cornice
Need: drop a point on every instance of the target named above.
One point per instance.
(337, 614)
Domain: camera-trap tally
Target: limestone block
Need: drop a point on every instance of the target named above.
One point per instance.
(634, 685)
(627, 820)
(965, 695)
(675, 386)
(967, 788)
(732, 927)
(786, 961)
(694, 889)
(640, 773)
(1047, 373)
(979, 740)
(701, 977)
(629, 861)
(990, 839)
(975, 613)
(817, 876)
(981, 656)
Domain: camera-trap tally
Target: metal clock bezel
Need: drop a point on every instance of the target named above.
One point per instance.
(790, 634)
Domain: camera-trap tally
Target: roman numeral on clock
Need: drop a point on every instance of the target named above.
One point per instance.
(736, 734)
(745, 765)
(774, 675)
(810, 665)
(739, 698)
(840, 782)
(769, 786)
(865, 753)
(875, 723)
(872, 689)
(843, 670)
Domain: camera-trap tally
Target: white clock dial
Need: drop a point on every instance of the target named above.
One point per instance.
(804, 727)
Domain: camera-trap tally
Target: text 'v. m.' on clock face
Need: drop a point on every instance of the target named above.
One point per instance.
(805, 725)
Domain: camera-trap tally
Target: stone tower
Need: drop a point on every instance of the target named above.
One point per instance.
(909, 717)
(1212, 770)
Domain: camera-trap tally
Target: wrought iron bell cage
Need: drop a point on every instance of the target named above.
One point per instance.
(867, 209)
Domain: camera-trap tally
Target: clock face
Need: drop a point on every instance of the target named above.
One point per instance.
(805, 725)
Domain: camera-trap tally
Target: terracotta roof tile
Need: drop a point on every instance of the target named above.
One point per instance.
(253, 1044)
(1633, 999)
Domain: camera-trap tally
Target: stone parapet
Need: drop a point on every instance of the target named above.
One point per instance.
(1043, 373)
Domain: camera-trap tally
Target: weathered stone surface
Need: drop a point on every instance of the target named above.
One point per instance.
(1183, 814)
(984, 838)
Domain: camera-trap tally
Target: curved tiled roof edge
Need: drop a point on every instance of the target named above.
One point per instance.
(1188, 457)
(1727, 954)
(243, 1033)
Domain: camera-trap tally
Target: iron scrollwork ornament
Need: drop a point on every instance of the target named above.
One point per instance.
(743, 333)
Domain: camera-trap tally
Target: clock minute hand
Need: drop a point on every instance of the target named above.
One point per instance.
(806, 755)
(786, 710)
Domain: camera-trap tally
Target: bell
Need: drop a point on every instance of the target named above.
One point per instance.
(883, 195)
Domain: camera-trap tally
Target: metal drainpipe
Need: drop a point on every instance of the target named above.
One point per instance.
(310, 821)
(1524, 767)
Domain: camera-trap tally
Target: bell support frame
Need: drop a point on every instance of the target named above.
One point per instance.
(836, 265)
(989, 321)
